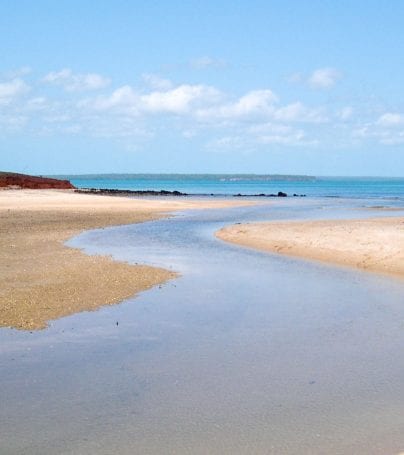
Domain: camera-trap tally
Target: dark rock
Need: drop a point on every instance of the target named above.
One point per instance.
(115, 192)
(280, 194)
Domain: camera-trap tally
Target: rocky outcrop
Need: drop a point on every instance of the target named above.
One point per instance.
(280, 194)
(115, 192)
(13, 180)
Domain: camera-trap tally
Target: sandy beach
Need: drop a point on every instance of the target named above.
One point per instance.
(41, 279)
(375, 244)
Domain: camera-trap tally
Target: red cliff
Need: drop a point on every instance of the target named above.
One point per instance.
(10, 179)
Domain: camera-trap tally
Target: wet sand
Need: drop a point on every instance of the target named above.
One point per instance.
(375, 244)
(41, 279)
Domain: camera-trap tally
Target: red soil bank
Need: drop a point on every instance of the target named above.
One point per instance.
(9, 179)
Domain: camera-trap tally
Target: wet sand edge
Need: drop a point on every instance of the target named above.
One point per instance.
(41, 279)
(375, 245)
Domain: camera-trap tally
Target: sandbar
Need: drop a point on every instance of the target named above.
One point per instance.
(375, 244)
(41, 279)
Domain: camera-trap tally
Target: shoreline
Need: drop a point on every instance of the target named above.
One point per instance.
(42, 279)
(373, 245)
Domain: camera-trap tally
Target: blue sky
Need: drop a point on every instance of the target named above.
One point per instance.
(311, 87)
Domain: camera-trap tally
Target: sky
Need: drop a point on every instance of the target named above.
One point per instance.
(290, 87)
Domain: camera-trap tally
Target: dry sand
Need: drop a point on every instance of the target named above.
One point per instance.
(41, 279)
(375, 244)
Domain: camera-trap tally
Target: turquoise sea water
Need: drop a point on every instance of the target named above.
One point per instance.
(226, 184)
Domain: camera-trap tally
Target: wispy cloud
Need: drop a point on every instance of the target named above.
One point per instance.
(298, 112)
(255, 102)
(262, 136)
(390, 119)
(76, 82)
(227, 143)
(387, 129)
(12, 89)
(17, 72)
(319, 79)
(156, 82)
(123, 100)
(205, 62)
(345, 113)
(273, 133)
(257, 118)
(263, 104)
(324, 78)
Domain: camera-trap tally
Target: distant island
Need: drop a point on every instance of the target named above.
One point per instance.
(14, 180)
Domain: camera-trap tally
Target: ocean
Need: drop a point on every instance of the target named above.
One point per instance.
(231, 184)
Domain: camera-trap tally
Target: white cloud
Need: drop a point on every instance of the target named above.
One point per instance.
(391, 119)
(297, 112)
(73, 82)
(156, 82)
(179, 100)
(122, 99)
(12, 89)
(324, 78)
(388, 129)
(321, 78)
(255, 119)
(262, 135)
(255, 102)
(207, 62)
(273, 133)
(204, 107)
(262, 104)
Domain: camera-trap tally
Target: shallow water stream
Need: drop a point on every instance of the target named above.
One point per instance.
(245, 352)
